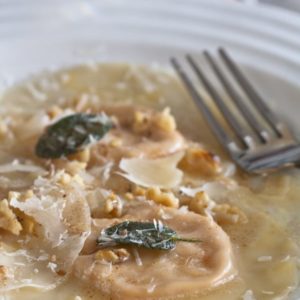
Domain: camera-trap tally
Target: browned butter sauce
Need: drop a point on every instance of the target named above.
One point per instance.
(257, 259)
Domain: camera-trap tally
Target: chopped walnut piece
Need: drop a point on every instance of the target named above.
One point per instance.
(141, 122)
(164, 121)
(200, 161)
(8, 219)
(109, 205)
(54, 111)
(3, 275)
(65, 179)
(114, 256)
(227, 214)
(72, 167)
(60, 272)
(222, 213)
(129, 196)
(82, 156)
(26, 195)
(164, 198)
(28, 224)
(155, 194)
(116, 142)
(138, 191)
(113, 206)
(3, 129)
(201, 204)
(145, 122)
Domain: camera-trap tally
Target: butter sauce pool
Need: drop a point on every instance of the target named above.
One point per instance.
(265, 249)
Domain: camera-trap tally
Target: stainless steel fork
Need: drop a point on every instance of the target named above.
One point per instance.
(267, 147)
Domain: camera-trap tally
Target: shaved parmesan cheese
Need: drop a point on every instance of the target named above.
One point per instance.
(17, 167)
(102, 172)
(46, 212)
(8, 180)
(229, 169)
(213, 189)
(18, 183)
(64, 222)
(20, 271)
(161, 172)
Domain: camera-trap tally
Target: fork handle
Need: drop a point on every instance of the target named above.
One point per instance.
(288, 156)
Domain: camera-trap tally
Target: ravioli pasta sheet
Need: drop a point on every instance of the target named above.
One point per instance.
(156, 162)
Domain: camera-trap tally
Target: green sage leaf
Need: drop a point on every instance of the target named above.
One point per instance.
(72, 134)
(153, 235)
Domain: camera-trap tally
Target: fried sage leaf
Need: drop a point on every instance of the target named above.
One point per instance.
(153, 235)
(71, 134)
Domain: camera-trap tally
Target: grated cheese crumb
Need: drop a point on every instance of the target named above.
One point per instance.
(52, 266)
(137, 257)
(65, 77)
(287, 258)
(264, 258)
(248, 295)
(267, 292)
(35, 93)
(121, 85)
(43, 257)
(151, 286)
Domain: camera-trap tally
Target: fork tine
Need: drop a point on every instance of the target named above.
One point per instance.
(222, 136)
(262, 133)
(255, 98)
(241, 133)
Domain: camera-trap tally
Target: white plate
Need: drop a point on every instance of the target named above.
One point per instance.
(38, 35)
(47, 34)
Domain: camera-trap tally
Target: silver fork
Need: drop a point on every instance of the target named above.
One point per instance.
(268, 147)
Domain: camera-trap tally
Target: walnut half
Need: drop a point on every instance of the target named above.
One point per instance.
(200, 162)
(222, 213)
(113, 256)
(8, 219)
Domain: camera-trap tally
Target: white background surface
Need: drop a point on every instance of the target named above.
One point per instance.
(37, 35)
